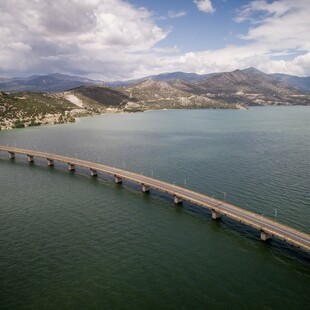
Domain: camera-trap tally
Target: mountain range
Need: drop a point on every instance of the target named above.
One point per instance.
(54, 82)
(60, 82)
(68, 97)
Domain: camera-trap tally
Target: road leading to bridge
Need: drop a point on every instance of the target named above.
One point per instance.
(267, 227)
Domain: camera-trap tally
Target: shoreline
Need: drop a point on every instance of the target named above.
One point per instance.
(114, 111)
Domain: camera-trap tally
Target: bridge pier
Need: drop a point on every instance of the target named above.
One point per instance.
(216, 215)
(30, 158)
(93, 172)
(50, 162)
(11, 155)
(71, 167)
(145, 188)
(117, 179)
(177, 199)
(264, 236)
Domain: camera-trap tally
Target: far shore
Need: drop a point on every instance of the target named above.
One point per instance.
(116, 111)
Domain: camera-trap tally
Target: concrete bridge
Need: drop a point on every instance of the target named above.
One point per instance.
(267, 227)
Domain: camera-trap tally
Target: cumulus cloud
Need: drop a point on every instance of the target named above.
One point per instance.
(280, 29)
(111, 39)
(204, 6)
(48, 33)
(284, 24)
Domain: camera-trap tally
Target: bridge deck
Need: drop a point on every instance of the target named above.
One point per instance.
(259, 222)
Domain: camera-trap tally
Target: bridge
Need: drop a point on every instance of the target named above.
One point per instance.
(267, 227)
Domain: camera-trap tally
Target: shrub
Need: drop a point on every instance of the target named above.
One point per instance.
(18, 124)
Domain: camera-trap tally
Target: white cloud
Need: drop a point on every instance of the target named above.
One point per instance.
(172, 14)
(280, 29)
(204, 6)
(53, 34)
(226, 59)
(166, 50)
(176, 14)
(276, 8)
(111, 39)
(284, 25)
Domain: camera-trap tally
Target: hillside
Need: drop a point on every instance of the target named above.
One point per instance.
(140, 97)
(100, 97)
(165, 77)
(152, 94)
(250, 87)
(45, 83)
(244, 81)
(33, 109)
(29, 109)
(299, 83)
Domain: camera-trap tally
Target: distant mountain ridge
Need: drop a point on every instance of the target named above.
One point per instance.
(54, 82)
(299, 83)
(251, 87)
(57, 82)
(240, 87)
(165, 77)
(153, 94)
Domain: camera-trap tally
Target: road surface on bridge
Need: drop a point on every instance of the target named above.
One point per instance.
(266, 226)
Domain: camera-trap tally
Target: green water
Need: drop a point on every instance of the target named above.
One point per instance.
(69, 241)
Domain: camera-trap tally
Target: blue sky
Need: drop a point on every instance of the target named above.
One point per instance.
(125, 39)
(196, 30)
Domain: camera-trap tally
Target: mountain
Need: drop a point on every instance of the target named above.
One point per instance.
(300, 83)
(59, 82)
(45, 83)
(183, 85)
(32, 109)
(149, 94)
(100, 96)
(25, 109)
(236, 89)
(190, 77)
(166, 77)
(152, 94)
(250, 87)
(233, 90)
(243, 81)
(239, 87)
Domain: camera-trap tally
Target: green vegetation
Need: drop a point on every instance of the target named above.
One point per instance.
(19, 110)
(70, 119)
(19, 124)
(61, 119)
(23, 109)
(33, 123)
(101, 96)
(32, 104)
(162, 95)
(134, 110)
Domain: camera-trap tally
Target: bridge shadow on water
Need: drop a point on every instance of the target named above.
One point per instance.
(236, 230)
(242, 231)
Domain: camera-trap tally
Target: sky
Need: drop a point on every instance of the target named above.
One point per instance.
(125, 39)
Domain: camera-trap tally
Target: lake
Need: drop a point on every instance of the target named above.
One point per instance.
(70, 241)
